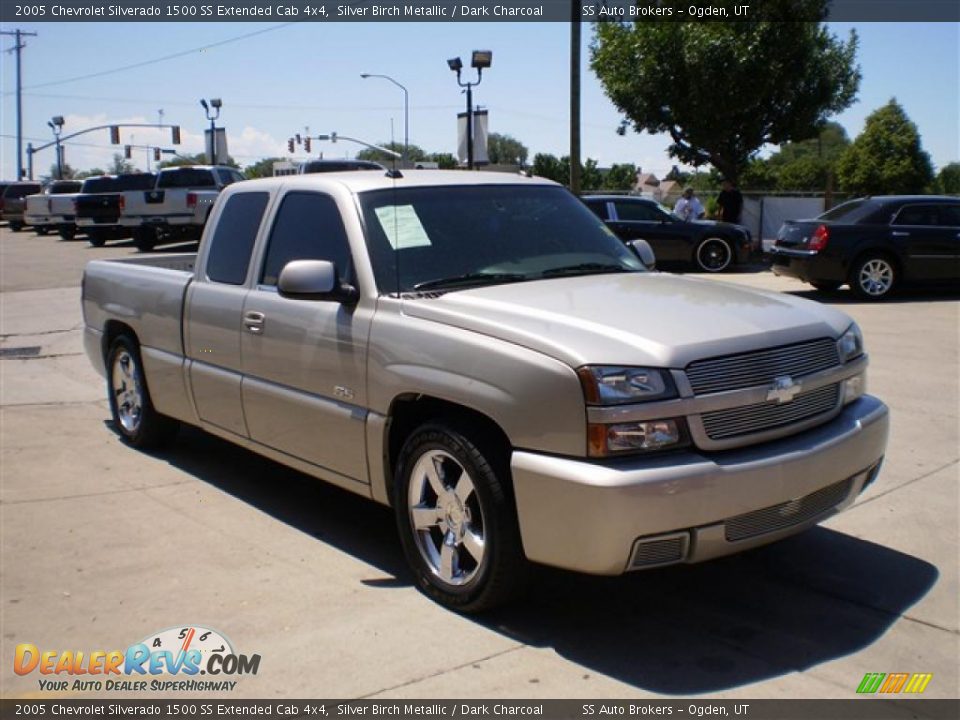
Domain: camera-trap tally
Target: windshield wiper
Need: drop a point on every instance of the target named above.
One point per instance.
(467, 279)
(585, 269)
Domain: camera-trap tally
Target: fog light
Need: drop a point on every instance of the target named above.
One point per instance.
(854, 387)
(634, 436)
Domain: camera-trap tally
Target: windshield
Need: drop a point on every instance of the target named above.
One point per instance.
(469, 235)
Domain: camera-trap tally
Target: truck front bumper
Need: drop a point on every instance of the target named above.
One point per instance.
(611, 517)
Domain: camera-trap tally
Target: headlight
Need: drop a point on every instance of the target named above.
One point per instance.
(614, 385)
(850, 344)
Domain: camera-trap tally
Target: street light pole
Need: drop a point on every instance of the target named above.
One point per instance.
(406, 113)
(56, 124)
(481, 59)
(216, 104)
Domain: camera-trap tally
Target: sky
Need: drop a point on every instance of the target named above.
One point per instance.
(278, 79)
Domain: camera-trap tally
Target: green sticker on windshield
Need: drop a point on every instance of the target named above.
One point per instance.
(402, 226)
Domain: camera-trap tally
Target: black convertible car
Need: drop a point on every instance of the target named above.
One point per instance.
(709, 246)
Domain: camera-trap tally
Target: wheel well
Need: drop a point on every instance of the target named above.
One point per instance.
(113, 330)
(408, 412)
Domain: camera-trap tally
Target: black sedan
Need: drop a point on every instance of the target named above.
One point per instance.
(709, 246)
(874, 244)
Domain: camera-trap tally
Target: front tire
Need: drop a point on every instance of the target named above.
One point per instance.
(713, 255)
(96, 239)
(134, 416)
(457, 520)
(15, 226)
(873, 277)
(67, 233)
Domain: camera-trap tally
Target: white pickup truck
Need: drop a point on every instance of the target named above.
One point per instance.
(177, 207)
(478, 351)
(39, 210)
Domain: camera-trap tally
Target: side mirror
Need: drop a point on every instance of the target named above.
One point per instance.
(642, 250)
(314, 280)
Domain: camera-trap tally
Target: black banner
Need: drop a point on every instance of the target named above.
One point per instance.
(872, 708)
(471, 11)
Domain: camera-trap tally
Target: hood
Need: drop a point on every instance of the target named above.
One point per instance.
(652, 319)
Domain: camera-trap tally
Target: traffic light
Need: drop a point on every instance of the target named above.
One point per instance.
(290, 145)
(114, 135)
(156, 154)
(175, 134)
(126, 152)
(306, 144)
(297, 136)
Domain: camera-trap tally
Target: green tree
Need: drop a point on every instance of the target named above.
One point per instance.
(552, 168)
(414, 153)
(446, 161)
(886, 158)
(590, 176)
(92, 172)
(68, 172)
(120, 165)
(620, 177)
(198, 159)
(758, 175)
(261, 168)
(723, 90)
(948, 179)
(506, 150)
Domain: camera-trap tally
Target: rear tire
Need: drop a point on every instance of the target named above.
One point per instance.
(874, 277)
(67, 233)
(133, 413)
(457, 520)
(15, 226)
(713, 255)
(96, 239)
(144, 239)
(41, 230)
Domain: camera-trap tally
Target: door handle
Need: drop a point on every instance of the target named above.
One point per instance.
(900, 233)
(253, 321)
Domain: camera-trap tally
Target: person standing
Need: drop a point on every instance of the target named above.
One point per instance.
(689, 207)
(729, 202)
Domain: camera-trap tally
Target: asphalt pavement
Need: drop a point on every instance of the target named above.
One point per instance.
(104, 546)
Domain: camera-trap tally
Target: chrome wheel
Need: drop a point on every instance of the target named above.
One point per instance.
(875, 277)
(127, 391)
(714, 255)
(446, 517)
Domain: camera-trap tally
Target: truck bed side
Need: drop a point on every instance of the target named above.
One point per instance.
(142, 296)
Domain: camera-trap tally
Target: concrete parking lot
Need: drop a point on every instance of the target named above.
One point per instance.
(103, 546)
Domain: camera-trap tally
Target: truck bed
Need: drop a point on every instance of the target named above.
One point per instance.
(144, 292)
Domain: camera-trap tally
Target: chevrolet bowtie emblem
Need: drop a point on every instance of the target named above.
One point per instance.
(783, 390)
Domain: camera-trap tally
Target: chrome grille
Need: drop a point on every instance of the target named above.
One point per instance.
(736, 372)
(749, 419)
(788, 514)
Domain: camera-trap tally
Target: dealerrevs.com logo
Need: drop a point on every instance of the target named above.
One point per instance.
(178, 654)
(898, 682)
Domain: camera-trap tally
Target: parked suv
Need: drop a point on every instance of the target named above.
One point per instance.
(708, 245)
(14, 202)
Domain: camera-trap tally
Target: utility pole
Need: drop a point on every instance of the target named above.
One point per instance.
(17, 48)
(575, 98)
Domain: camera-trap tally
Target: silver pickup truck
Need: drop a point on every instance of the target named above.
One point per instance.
(481, 353)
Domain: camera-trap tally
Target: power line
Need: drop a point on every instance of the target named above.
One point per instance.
(160, 59)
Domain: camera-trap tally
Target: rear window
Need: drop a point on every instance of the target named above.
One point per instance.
(64, 187)
(186, 178)
(98, 185)
(18, 190)
(138, 181)
(850, 212)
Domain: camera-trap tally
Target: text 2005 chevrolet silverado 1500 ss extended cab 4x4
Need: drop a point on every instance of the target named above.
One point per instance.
(479, 352)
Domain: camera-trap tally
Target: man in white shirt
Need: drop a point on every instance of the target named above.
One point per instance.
(688, 207)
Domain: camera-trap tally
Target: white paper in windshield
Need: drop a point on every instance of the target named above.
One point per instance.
(402, 226)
